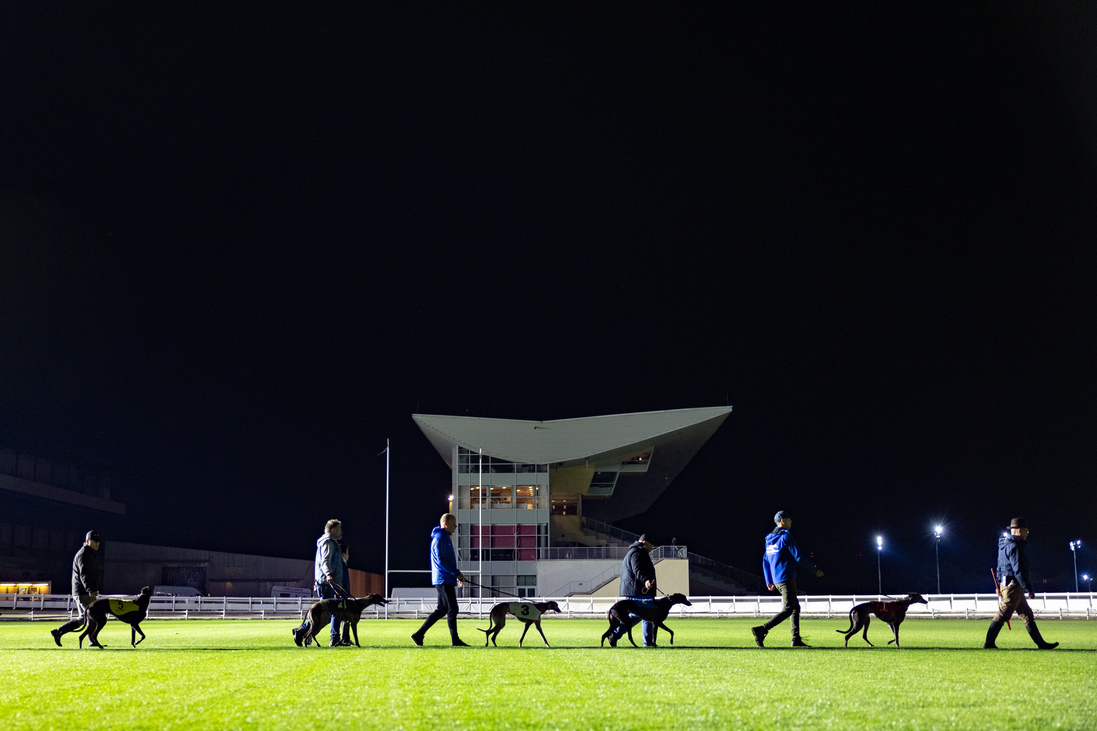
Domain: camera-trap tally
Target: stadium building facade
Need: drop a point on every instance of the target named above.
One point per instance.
(530, 494)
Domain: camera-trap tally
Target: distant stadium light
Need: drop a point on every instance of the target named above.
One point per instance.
(937, 531)
(1074, 546)
(879, 576)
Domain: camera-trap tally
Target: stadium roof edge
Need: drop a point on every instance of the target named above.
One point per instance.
(561, 440)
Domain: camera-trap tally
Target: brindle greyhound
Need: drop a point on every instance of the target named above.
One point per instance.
(527, 612)
(893, 613)
(130, 612)
(345, 610)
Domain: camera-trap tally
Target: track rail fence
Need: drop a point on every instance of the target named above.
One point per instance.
(1049, 605)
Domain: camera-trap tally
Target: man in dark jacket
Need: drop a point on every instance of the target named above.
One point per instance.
(1014, 583)
(638, 584)
(85, 583)
(446, 579)
(779, 567)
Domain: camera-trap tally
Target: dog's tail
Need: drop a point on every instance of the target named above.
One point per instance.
(847, 629)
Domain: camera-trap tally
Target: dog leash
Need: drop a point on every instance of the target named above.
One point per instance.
(492, 588)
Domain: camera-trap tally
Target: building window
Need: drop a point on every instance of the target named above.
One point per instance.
(529, 497)
(501, 496)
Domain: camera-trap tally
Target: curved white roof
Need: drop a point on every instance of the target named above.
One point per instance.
(563, 440)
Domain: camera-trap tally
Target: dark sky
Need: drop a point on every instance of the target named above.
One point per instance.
(240, 247)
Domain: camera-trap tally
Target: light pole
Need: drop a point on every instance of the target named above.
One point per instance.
(1074, 546)
(879, 579)
(937, 531)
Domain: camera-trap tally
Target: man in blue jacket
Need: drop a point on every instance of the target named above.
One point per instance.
(1014, 583)
(446, 579)
(779, 567)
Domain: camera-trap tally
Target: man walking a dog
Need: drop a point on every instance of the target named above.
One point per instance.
(446, 579)
(327, 575)
(638, 584)
(779, 567)
(1014, 583)
(85, 584)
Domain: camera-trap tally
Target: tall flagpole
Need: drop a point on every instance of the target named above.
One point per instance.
(387, 453)
(480, 569)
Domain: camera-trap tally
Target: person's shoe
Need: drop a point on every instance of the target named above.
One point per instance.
(460, 643)
(56, 636)
(417, 639)
(799, 643)
(759, 635)
(344, 642)
(1034, 633)
(296, 636)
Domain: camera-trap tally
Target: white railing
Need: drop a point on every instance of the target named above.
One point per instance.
(1049, 605)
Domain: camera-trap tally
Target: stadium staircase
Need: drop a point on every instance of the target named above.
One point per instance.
(706, 576)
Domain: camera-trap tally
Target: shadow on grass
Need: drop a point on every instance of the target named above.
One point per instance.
(510, 648)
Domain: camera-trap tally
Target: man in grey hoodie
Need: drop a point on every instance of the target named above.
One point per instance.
(327, 573)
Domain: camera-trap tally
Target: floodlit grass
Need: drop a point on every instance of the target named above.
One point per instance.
(239, 673)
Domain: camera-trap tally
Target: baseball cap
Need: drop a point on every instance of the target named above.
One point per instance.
(781, 515)
(93, 535)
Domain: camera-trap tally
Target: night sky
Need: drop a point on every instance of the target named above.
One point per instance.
(240, 246)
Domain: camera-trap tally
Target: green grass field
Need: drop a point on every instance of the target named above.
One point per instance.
(240, 673)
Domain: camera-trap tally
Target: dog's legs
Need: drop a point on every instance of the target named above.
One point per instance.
(354, 629)
(524, 630)
(668, 629)
(609, 635)
(630, 636)
(495, 626)
(894, 631)
(868, 620)
(93, 633)
(541, 633)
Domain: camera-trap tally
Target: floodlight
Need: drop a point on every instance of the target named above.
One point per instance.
(1074, 546)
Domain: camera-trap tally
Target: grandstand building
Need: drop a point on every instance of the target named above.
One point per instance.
(535, 500)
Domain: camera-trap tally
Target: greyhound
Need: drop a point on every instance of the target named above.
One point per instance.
(654, 611)
(893, 613)
(345, 610)
(130, 612)
(524, 612)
